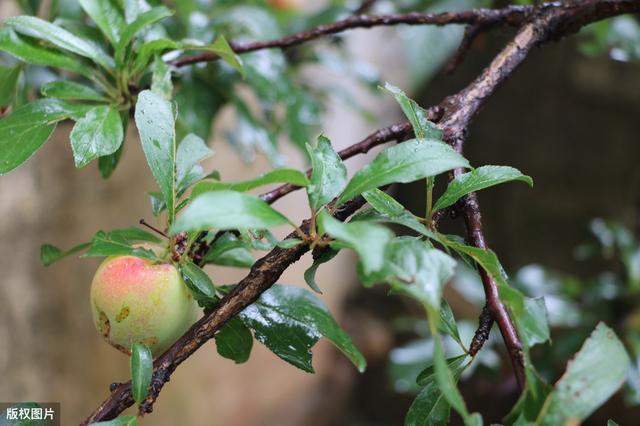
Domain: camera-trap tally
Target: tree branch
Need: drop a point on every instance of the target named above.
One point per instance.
(510, 16)
(549, 22)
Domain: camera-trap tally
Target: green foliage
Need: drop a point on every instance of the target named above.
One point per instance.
(597, 372)
(141, 371)
(289, 321)
(477, 179)
(224, 210)
(329, 176)
(118, 62)
(403, 163)
(198, 282)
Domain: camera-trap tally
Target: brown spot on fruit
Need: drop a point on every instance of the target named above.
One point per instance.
(150, 341)
(123, 314)
(104, 325)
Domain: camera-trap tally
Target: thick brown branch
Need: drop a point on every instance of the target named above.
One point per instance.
(264, 273)
(511, 16)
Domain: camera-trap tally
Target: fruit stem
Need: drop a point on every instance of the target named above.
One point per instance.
(153, 228)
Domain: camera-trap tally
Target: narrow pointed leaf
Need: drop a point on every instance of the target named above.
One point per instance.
(143, 21)
(221, 48)
(58, 36)
(98, 133)
(31, 52)
(417, 116)
(329, 175)
(310, 274)
(141, 371)
(191, 150)
(430, 407)
(596, 372)
(62, 89)
(117, 244)
(475, 180)
(405, 162)
(107, 16)
(155, 121)
(292, 176)
(226, 210)
(161, 83)
(198, 282)
(50, 254)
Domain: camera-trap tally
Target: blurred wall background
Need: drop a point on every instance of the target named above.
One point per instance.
(570, 122)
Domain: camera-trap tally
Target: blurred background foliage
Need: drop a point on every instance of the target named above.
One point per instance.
(568, 118)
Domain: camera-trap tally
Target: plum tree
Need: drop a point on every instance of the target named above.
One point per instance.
(134, 300)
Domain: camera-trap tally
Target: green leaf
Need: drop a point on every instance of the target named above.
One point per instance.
(533, 322)
(612, 423)
(135, 234)
(448, 323)
(149, 49)
(292, 176)
(405, 162)
(155, 120)
(107, 16)
(422, 127)
(445, 378)
(119, 421)
(234, 341)
(50, 254)
(290, 320)
(108, 163)
(116, 244)
(63, 89)
(198, 282)
(142, 21)
(161, 79)
(97, 134)
(428, 374)
(310, 274)
(221, 48)
(190, 152)
(366, 239)
(477, 179)
(596, 372)
(487, 259)
(329, 175)
(226, 210)
(24, 131)
(58, 36)
(418, 270)
(392, 211)
(430, 407)
(8, 84)
(141, 371)
(228, 250)
(31, 52)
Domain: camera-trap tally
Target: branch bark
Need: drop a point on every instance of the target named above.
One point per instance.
(540, 24)
(509, 16)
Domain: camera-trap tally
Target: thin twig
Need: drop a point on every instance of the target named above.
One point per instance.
(511, 16)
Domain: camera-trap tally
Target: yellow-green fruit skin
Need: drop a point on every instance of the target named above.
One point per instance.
(136, 301)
